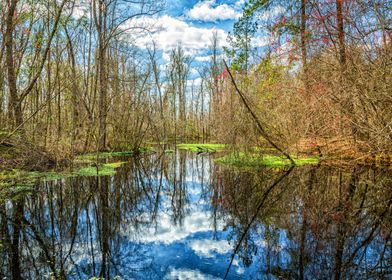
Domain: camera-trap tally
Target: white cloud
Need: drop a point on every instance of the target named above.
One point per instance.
(166, 56)
(240, 3)
(260, 41)
(168, 32)
(196, 82)
(194, 72)
(208, 11)
(269, 14)
(80, 9)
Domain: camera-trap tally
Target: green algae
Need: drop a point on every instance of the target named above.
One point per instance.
(107, 155)
(19, 180)
(266, 160)
(107, 169)
(206, 148)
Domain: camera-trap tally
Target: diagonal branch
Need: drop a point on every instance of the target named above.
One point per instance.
(259, 126)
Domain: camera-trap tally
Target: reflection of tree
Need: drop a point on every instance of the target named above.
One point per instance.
(334, 221)
(77, 225)
(318, 222)
(178, 194)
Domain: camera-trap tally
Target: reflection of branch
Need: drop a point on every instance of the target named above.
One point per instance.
(44, 247)
(259, 126)
(371, 235)
(254, 217)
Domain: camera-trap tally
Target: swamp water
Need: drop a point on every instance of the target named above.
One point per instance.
(180, 216)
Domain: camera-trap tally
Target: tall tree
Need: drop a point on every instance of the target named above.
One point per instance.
(16, 97)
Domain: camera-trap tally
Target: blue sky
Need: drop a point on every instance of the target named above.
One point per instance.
(191, 24)
(198, 12)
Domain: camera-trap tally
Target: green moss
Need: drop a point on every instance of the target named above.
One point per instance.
(253, 160)
(15, 177)
(169, 151)
(105, 155)
(107, 169)
(206, 148)
(14, 183)
(145, 150)
(25, 179)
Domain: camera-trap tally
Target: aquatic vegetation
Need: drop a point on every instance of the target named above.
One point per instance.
(107, 169)
(206, 148)
(255, 160)
(104, 155)
(19, 179)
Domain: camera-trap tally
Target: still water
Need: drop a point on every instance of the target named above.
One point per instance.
(179, 216)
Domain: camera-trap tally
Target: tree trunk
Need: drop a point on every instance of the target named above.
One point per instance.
(15, 103)
(100, 16)
(102, 100)
(342, 47)
(303, 38)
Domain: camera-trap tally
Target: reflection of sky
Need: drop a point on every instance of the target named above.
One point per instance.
(164, 250)
(191, 249)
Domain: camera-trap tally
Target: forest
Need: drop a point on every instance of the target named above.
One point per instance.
(93, 100)
(74, 84)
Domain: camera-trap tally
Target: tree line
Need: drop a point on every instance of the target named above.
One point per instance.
(321, 76)
(316, 73)
(74, 83)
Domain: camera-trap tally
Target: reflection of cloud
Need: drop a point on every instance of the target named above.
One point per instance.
(166, 232)
(187, 274)
(207, 248)
(238, 267)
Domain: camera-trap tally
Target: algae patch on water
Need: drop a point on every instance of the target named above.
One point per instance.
(203, 148)
(90, 157)
(107, 169)
(19, 179)
(266, 160)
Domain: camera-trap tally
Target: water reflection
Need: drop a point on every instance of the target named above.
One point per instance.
(180, 217)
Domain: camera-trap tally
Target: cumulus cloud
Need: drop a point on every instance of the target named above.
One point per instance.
(168, 32)
(208, 11)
